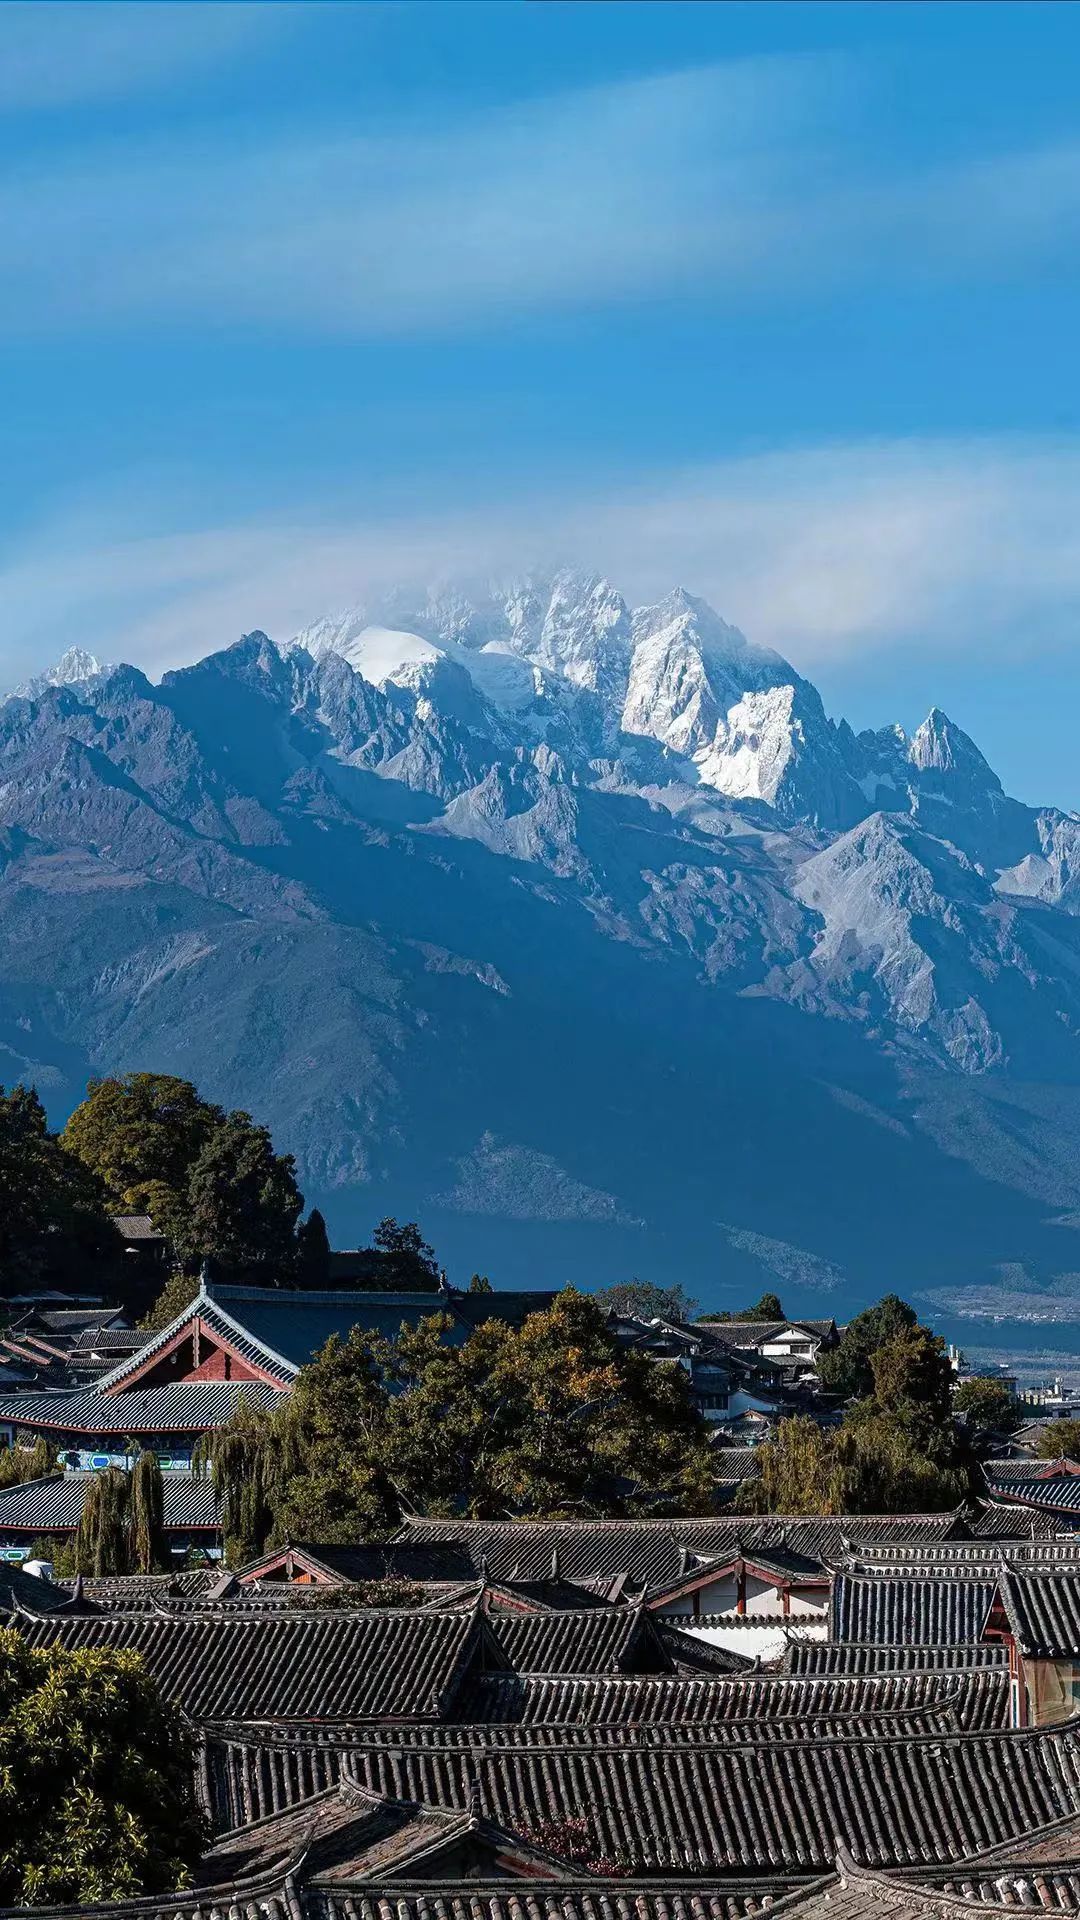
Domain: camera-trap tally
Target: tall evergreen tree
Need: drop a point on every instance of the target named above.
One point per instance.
(313, 1251)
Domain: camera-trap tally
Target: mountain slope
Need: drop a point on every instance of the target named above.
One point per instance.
(578, 931)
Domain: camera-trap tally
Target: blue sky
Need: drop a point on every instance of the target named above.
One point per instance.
(780, 303)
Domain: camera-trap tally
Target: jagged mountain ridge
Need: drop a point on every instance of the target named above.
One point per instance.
(452, 888)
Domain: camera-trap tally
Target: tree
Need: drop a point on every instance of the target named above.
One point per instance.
(645, 1301)
(769, 1307)
(102, 1542)
(313, 1251)
(242, 1200)
(311, 1470)
(408, 1262)
(96, 1779)
(550, 1417)
(1059, 1440)
(141, 1133)
(210, 1180)
(148, 1549)
(480, 1284)
(53, 1215)
(988, 1406)
(912, 1379)
(847, 1370)
(799, 1471)
(177, 1293)
(31, 1458)
(895, 1451)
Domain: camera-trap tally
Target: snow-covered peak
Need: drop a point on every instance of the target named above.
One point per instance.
(74, 668)
(941, 747)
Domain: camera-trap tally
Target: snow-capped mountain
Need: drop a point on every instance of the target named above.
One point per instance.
(533, 894)
(74, 668)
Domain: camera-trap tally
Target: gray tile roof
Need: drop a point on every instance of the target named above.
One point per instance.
(177, 1407)
(826, 1656)
(748, 1806)
(653, 1553)
(975, 1699)
(1043, 1608)
(1058, 1494)
(897, 1610)
(55, 1504)
(251, 1665)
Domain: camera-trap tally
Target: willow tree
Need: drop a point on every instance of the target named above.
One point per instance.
(244, 1458)
(102, 1541)
(149, 1550)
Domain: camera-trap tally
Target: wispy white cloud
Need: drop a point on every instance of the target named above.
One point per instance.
(965, 549)
(588, 195)
(735, 181)
(72, 51)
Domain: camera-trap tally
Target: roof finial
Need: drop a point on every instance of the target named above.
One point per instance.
(204, 1279)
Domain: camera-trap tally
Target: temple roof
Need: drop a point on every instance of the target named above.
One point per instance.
(176, 1407)
(55, 1503)
(284, 1664)
(830, 1656)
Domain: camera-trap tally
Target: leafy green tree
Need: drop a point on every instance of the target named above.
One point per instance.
(148, 1547)
(311, 1470)
(895, 1451)
(102, 1542)
(242, 1200)
(550, 1417)
(480, 1284)
(245, 1459)
(335, 1485)
(1059, 1440)
(53, 1215)
(646, 1301)
(141, 1133)
(408, 1262)
(847, 1370)
(177, 1293)
(96, 1779)
(799, 1471)
(210, 1180)
(313, 1251)
(987, 1405)
(769, 1307)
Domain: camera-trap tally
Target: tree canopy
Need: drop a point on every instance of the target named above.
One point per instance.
(210, 1180)
(769, 1307)
(1059, 1440)
(895, 1451)
(647, 1301)
(847, 1370)
(122, 1528)
(550, 1418)
(53, 1210)
(96, 1779)
(988, 1406)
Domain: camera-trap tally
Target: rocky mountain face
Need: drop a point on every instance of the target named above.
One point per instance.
(580, 932)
